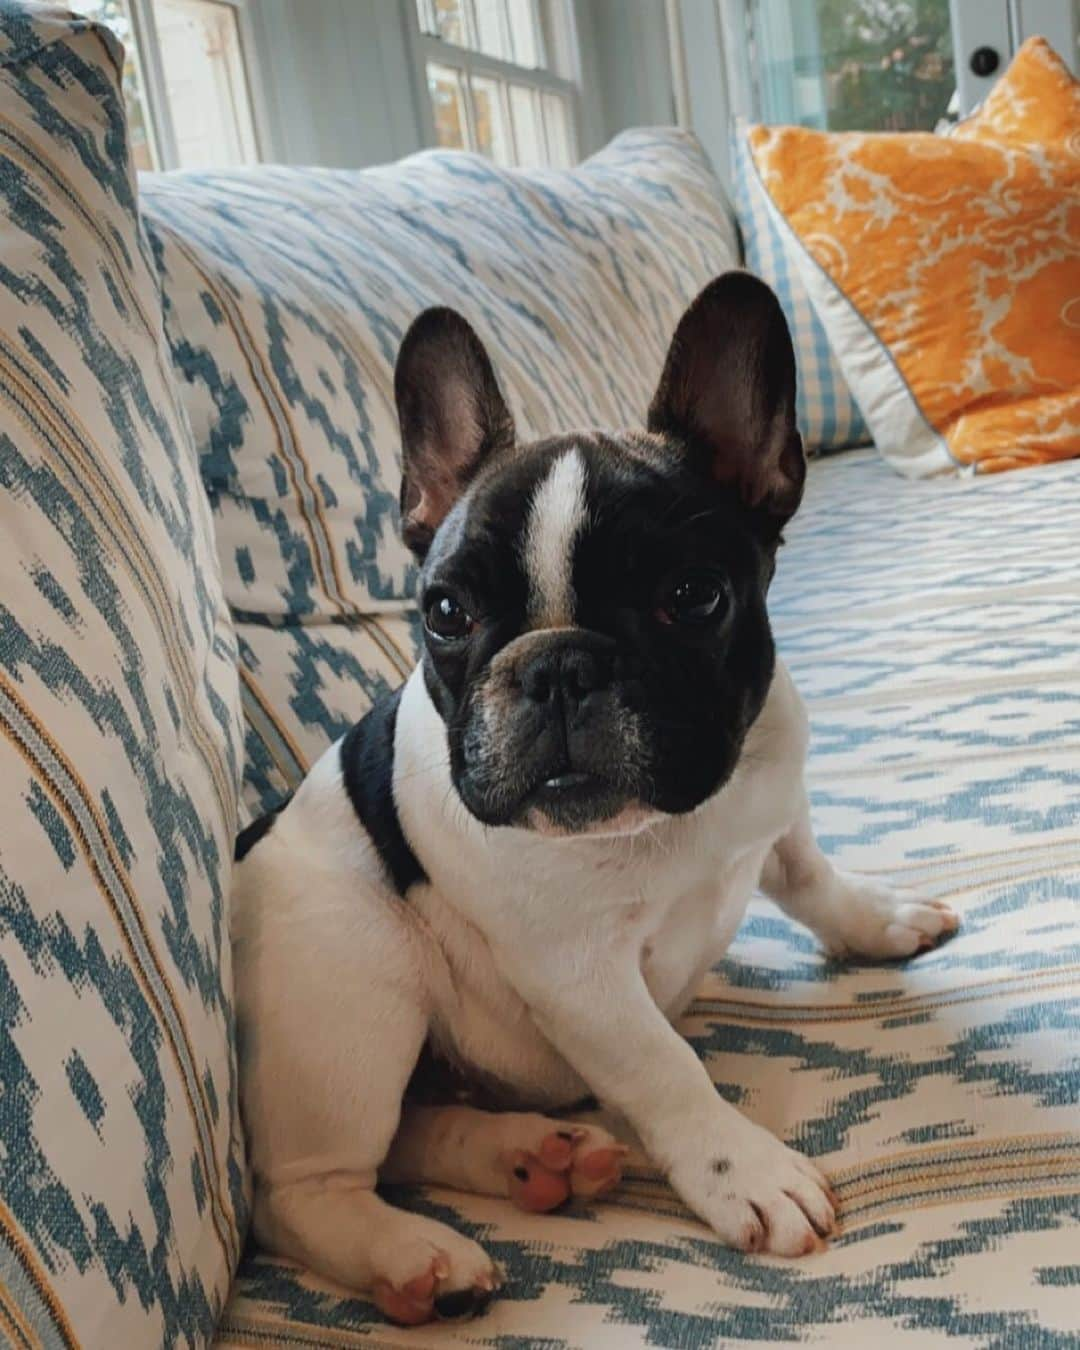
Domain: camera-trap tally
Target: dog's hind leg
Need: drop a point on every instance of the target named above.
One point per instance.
(538, 1162)
(334, 1016)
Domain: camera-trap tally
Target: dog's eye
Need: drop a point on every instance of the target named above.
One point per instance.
(696, 598)
(447, 620)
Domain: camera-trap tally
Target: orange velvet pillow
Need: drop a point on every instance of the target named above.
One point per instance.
(946, 270)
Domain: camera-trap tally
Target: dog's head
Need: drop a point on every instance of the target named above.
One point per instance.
(596, 636)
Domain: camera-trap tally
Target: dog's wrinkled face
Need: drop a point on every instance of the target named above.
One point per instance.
(596, 633)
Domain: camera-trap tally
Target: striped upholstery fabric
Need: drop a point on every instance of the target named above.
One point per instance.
(287, 293)
(122, 1203)
(304, 685)
(828, 415)
(943, 1094)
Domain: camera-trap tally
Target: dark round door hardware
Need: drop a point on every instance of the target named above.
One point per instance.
(984, 61)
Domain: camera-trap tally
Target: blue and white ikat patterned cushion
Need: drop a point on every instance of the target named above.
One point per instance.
(287, 293)
(122, 1194)
(942, 1095)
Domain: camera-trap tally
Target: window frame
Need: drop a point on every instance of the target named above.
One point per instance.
(557, 37)
(151, 74)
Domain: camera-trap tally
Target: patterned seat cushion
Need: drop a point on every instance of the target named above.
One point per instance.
(943, 1094)
(121, 1168)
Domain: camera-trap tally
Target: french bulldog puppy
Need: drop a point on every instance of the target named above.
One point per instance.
(518, 867)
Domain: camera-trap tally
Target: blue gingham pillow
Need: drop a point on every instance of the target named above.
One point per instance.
(121, 1168)
(828, 415)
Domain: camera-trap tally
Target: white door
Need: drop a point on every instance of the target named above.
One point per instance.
(880, 65)
(987, 32)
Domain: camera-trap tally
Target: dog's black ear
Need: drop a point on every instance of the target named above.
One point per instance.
(728, 393)
(452, 418)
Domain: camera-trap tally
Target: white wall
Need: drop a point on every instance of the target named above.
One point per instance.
(341, 83)
(338, 79)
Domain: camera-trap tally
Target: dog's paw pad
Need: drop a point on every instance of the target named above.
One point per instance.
(412, 1303)
(547, 1161)
(598, 1170)
(451, 1283)
(535, 1188)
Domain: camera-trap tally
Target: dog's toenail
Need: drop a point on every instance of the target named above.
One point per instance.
(521, 1173)
(565, 1134)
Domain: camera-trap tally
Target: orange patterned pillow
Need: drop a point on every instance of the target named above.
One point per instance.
(946, 270)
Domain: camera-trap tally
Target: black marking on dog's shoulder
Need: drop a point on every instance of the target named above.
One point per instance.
(367, 767)
(250, 835)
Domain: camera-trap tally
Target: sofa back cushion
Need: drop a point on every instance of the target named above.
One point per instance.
(288, 292)
(121, 1167)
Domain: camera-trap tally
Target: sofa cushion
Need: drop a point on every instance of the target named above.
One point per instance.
(941, 1094)
(828, 415)
(121, 1168)
(288, 291)
(946, 270)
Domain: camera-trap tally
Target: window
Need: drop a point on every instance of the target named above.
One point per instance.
(185, 81)
(863, 65)
(498, 73)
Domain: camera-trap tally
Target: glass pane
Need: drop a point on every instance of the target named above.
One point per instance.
(557, 125)
(527, 130)
(864, 65)
(443, 18)
(114, 13)
(205, 82)
(523, 32)
(489, 121)
(448, 106)
(492, 33)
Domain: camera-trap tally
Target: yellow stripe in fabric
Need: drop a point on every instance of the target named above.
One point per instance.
(252, 695)
(246, 1329)
(305, 489)
(401, 662)
(12, 1236)
(13, 1324)
(75, 803)
(754, 1011)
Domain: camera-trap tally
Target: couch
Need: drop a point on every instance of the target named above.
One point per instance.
(204, 588)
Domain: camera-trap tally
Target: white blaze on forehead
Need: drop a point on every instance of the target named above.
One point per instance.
(557, 515)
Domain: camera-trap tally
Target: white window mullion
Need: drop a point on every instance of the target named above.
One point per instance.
(152, 72)
(465, 75)
(521, 100)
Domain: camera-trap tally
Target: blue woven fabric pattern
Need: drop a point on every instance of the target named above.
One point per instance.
(934, 632)
(122, 1193)
(828, 415)
(287, 293)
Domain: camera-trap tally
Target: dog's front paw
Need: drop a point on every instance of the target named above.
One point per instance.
(876, 922)
(759, 1195)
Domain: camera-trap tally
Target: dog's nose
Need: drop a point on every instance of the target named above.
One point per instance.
(570, 672)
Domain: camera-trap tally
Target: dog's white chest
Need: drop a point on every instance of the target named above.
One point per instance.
(668, 902)
(481, 1021)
